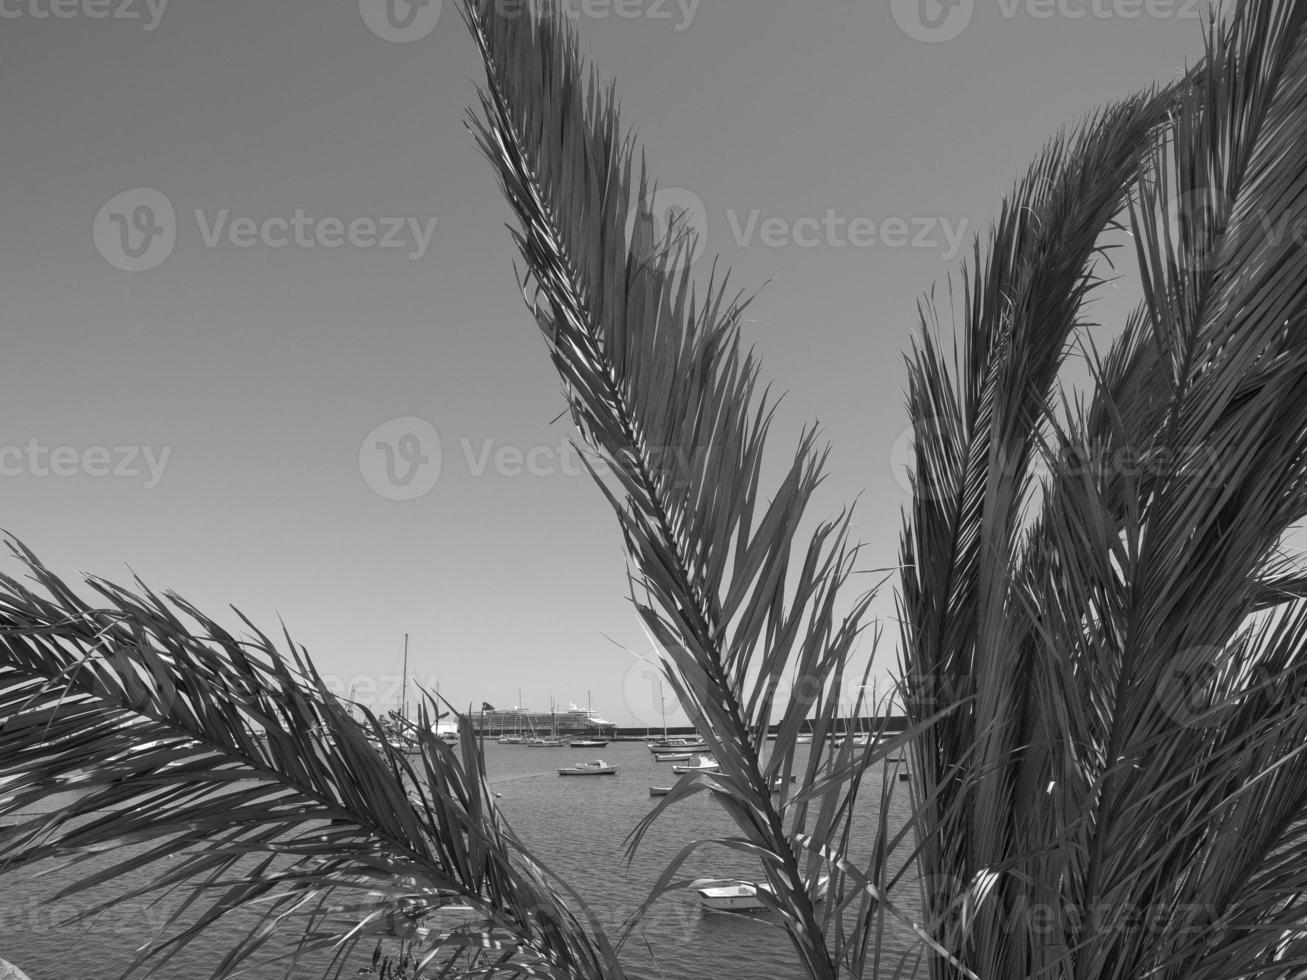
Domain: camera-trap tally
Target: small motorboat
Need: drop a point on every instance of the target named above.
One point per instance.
(678, 757)
(595, 768)
(738, 895)
(659, 790)
(703, 763)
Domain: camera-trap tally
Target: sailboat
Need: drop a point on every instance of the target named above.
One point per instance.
(553, 742)
(681, 747)
(584, 742)
(397, 730)
(517, 738)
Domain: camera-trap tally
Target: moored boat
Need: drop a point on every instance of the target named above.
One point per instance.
(703, 763)
(678, 745)
(587, 743)
(739, 895)
(674, 757)
(659, 790)
(596, 767)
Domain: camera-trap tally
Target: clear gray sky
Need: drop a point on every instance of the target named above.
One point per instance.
(236, 387)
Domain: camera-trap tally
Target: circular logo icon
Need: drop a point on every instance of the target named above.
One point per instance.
(933, 21)
(401, 459)
(1196, 222)
(1184, 688)
(649, 698)
(136, 230)
(668, 229)
(903, 466)
(400, 21)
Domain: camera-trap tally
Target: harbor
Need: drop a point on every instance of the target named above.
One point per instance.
(577, 827)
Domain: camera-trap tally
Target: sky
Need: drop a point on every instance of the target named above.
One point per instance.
(262, 339)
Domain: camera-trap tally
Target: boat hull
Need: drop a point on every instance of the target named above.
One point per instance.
(743, 899)
(596, 768)
(677, 748)
(742, 896)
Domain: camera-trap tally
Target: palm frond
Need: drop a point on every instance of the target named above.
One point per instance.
(1120, 625)
(232, 756)
(664, 393)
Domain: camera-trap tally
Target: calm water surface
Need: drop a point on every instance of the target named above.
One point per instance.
(576, 826)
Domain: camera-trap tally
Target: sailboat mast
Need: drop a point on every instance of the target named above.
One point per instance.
(403, 691)
(662, 703)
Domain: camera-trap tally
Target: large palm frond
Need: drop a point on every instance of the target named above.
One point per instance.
(741, 600)
(232, 756)
(1115, 638)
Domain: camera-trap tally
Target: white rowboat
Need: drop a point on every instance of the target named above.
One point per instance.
(738, 895)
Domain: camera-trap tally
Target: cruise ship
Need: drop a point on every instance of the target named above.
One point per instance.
(493, 722)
